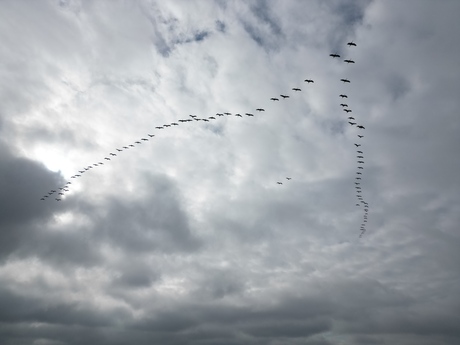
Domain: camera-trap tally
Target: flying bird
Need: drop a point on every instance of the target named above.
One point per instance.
(359, 151)
(212, 117)
(284, 96)
(288, 178)
(359, 126)
(360, 136)
(274, 99)
(357, 145)
(334, 55)
(239, 115)
(347, 110)
(159, 127)
(192, 116)
(309, 81)
(260, 109)
(344, 105)
(343, 96)
(279, 182)
(352, 123)
(249, 114)
(361, 162)
(351, 118)
(345, 80)
(151, 135)
(351, 44)
(296, 89)
(349, 61)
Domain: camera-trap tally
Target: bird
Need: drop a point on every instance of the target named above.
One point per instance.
(360, 136)
(239, 115)
(151, 135)
(359, 151)
(345, 80)
(347, 110)
(334, 55)
(57, 199)
(249, 114)
(349, 61)
(107, 158)
(343, 96)
(274, 99)
(174, 124)
(206, 120)
(288, 178)
(296, 89)
(159, 127)
(144, 139)
(357, 204)
(284, 96)
(212, 117)
(357, 145)
(166, 125)
(228, 113)
(309, 81)
(352, 123)
(359, 126)
(359, 156)
(351, 44)
(351, 118)
(112, 154)
(344, 105)
(279, 182)
(119, 150)
(260, 109)
(358, 178)
(131, 145)
(360, 168)
(362, 162)
(356, 183)
(192, 115)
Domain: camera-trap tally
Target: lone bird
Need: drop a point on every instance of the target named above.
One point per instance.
(345, 80)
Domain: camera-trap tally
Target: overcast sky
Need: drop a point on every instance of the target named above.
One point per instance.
(187, 238)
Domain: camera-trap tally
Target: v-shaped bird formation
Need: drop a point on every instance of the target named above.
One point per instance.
(59, 193)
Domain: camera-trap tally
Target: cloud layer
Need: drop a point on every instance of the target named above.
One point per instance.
(187, 238)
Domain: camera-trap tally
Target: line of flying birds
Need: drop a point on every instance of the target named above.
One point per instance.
(360, 154)
(194, 118)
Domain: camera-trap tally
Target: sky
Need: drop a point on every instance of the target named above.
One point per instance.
(195, 235)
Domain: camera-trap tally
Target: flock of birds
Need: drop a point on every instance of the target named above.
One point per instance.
(61, 191)
(359, 151)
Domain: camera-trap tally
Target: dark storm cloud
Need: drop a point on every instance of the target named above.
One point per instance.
(22, 183)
